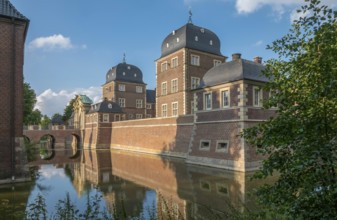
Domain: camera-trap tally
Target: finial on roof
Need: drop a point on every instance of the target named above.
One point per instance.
(124, 60)
(190, 17)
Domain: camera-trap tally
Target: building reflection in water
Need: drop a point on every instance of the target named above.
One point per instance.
(187, 191)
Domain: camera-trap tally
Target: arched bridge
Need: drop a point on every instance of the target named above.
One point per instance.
(61, 135)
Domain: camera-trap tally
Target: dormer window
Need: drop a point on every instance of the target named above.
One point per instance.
(177, 39)
(135, 75)
(109, 106)
(196, 38)
(167, 45)
(211, 42)
(129, 67)
(202, 30)
(123, 73)
(173, 32)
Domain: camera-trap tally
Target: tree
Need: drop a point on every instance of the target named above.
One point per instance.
(301, 140)
(45, 121)
(29, 100)
(68, 110)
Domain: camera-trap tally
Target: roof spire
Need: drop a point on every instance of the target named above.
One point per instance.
(190, 16)
(124, 60)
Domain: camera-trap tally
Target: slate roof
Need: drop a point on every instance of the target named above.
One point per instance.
(8, 10)
(184, 37)
(57, 120)
(106, 106)
(126, 73)
(232, 71)
(85, 99)
(150, 96)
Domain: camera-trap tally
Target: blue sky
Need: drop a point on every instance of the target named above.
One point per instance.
(71, 44)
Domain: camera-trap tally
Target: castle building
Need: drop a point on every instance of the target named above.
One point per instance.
(13, 31)
(186, 55)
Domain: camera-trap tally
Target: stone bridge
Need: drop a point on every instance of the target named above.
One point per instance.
(61, 136)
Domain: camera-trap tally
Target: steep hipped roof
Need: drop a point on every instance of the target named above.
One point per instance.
(106, 106)
(126, 73)
(8, 10)
(193, 37)
(232, 71)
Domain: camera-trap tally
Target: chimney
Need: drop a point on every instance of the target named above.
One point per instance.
(258, 60)
(236, 56)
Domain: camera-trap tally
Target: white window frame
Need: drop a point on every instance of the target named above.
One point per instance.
(206, 107)
(139, 103)
(174, 108)
(121, 102)
(257, 98)
(164, 88)
(117, 117)
(148, 106)
(174, 62)
(219, 146)
(203, 146)
(164, 110)
(148, 116)
(222, 98)
(174, 85)
(195, 82)
(192, 107)
(164, 66)
(195, 60)
(139, 89)
(121, 87)
(139, 116)
(105, 118)
(216, 62)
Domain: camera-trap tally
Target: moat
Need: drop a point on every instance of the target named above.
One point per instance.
(139, 185)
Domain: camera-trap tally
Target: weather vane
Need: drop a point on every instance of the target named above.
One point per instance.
(190, 17)
(124, 60)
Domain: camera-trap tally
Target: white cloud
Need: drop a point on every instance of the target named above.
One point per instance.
(56, 41)
(50, 102)
(258, 43)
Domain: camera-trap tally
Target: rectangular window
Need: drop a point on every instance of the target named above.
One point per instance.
(117, 117)
(121, 102)
(205, 144)
(148, 106)
(222, 146)
(207, 101)
(130, 116)
(174, 108)
(225, 98)
(216, 62)
(139, 89)
(149, 116)
(139, 103)
(164, 66)
(164, 88)
(121, 87)
(164, 110)
(174, 62)
(139, 116)
(257, 96)
(174, 85)
(195, 60)
(105, 117)
(192, 107)
(195, 82)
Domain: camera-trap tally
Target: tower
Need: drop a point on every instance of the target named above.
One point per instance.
(186, 55)
(14, 27)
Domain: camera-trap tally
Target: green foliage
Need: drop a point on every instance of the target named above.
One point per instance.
(30, 116)
(68, 110)
(301, 141)
(45, 121)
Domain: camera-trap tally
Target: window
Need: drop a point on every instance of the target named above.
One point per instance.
(196, 38)
(164, 66)
(207, 101)
(117, 118)
(164, 110)
(222, 146)
(105, 117)
(174, 62)
(211, 42)
(205, 144)
(222, 189)
(257, 96)
(216, 62)
(139, 116)
(164, 88)
(195, 82)
(192, 107)
(174, 85)
(174, 108)
(225, 98)
(139, 103)
(148, 116)
(139, 89)
(130, 116)
(148, 106)
(121, 87)
(205, 185)
(121, 102)
(195, 60)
